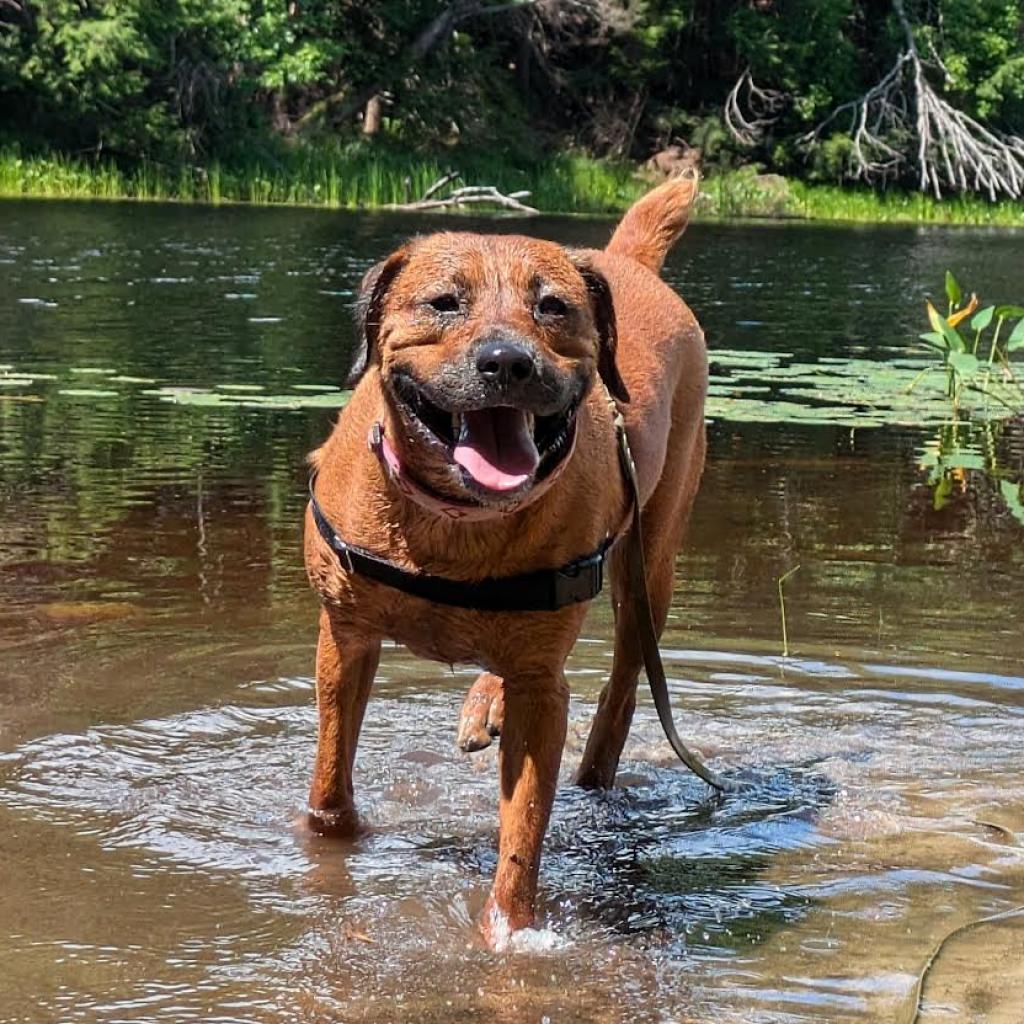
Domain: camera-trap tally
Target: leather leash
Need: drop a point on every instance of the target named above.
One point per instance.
(636, 570)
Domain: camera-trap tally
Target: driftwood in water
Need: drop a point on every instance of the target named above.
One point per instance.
(465, 195)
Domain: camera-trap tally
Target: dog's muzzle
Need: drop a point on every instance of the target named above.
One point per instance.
(495, 443)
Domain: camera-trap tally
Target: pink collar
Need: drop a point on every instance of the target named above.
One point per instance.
(452, 508)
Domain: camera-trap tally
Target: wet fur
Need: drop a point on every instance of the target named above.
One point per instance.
(629, 329)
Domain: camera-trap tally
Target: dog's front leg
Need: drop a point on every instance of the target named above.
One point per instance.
(345, 666)
(533, 734)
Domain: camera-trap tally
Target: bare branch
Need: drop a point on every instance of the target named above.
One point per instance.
(445, 179)
(763, 106)
(874, 119)
(468, 195)
(903, 120)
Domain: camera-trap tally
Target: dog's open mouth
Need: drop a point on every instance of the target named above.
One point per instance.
(500, 448)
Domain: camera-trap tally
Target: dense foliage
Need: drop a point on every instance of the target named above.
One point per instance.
(194, 80)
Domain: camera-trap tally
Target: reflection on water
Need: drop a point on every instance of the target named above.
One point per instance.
(156, 722)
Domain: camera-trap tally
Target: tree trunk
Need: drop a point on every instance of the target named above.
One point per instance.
(373, 115)
(344, 105)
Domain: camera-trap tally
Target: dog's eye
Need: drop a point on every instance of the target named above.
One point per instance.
(552, 305)
(447, 303)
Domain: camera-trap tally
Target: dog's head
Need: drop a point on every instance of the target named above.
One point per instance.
(486, 347)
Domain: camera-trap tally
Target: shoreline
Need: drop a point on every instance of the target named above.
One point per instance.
(570, 185)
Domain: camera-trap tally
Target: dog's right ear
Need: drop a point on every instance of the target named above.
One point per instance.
(604, 319)
(369, 307)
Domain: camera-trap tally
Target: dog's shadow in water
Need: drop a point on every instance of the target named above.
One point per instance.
(662, 856)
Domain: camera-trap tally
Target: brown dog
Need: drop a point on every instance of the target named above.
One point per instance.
(483, 388)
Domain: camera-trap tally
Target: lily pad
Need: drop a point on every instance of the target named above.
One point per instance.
(334, 400)
(1013, 495)
(245, 397)
(854, 392)
(182, 397)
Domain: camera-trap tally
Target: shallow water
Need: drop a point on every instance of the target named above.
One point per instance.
(156, 706)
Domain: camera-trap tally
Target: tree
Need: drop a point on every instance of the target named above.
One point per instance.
(903, 119)
(902, 126)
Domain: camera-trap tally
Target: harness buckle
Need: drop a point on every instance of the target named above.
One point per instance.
(343, 553)
(580, 581)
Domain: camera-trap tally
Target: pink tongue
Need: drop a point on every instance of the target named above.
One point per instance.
(496, 448)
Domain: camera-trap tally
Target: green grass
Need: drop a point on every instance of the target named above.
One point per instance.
(360, 177)
(327, 176)
(740, 194)
(821, 202)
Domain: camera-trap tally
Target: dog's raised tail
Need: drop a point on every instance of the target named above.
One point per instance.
(652, 224)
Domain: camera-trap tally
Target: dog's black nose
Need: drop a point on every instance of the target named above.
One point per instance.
(505, 362)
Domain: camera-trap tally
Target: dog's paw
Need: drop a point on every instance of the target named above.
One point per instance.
(482, 713)
(337, 824)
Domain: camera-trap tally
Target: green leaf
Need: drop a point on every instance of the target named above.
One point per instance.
(943, 492)
(952, 289)
(964, 460)
(1011, 492)
(1016, 338)
(964, 363)
(941, 325)
(1009, 312)
(934, 339)
(953, 337)
(982, 319)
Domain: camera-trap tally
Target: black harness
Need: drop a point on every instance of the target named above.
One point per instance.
(544, 590)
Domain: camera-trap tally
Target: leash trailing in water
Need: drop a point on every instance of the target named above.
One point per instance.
(636, 569)
(917, 994)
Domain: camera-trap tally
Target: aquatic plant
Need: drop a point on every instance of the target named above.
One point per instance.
(963, 360)
(964, 454)
(782, 608)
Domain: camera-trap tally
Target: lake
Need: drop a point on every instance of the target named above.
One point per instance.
(165, 371)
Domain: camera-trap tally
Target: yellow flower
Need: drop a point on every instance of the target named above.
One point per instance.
(962, 314)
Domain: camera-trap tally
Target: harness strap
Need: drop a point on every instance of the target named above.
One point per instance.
(544, 590)
(636, 570)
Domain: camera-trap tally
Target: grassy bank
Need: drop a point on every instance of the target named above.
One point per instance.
(330, 176)
(356, 178)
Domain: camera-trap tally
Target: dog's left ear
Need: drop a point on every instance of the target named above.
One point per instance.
(369, 307)
(604, 319)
